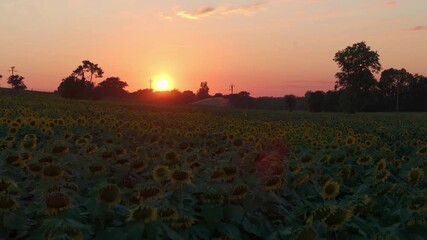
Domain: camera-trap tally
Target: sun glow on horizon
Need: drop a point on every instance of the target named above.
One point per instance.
(163, 84)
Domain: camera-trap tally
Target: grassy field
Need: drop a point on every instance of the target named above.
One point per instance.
(104, 170)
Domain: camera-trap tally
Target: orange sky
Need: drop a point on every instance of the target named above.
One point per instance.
(268, 48)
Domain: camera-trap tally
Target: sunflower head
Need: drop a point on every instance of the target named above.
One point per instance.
(338, 218)
(364, 160)
(306, 234)
(52, 171)
(96, 168)
(239, 192)
(56, 202)
(167, 214)
(7, 204)
(416, 175)
(181, 177)
(6, 185)
(422, 152)
(381, 165)
(217, 176)
(109, 194)
(230, 173)
(14, 160)
(149, 192)
(272, 183)
(418, 204)
(144, 214)
(330, 189)
(60, 147)
(161, 174)
(183, 222)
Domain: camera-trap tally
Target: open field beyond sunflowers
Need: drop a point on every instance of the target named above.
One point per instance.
(83, 170)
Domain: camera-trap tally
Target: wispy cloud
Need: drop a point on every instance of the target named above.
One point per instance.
(202, 12)
(390, 3)
(197, 14)
(418, 28)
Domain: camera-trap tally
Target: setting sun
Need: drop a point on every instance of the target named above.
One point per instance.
(163, 84)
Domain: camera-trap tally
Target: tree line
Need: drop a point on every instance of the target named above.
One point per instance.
(356, 88)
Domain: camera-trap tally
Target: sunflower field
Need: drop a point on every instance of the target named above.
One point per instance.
(103, 170)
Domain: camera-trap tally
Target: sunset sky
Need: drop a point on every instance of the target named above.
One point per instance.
(268, 48)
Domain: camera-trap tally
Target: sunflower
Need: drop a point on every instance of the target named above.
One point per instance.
(318, 214)
(35, 168)
(46, 159)
(418, 204)
(230, 173)
(362, 206)
(330, 189)
(144, 214)
(6, 185)
(137, 165)
(422, 152)
(306, 234)
(52, 171)
(7, 204)
(239, 192)
(183, 222)
(181, 177)
(96, 168)
(339, 217)
(90, 149)
(161, 174)
(217, 176)
(167, 214)
(416, 175)
(56, 202)
(365, 160)
(382, 189)
(14, 160)
(381, 165)
(109, 194)
(60, 147)
(382, 175)
(149, 192)
(350, 140)
(272, 184)
(212, 197)
(81, 142)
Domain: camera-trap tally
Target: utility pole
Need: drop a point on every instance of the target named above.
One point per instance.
(12, 69)
(232, 88)
(151, 81)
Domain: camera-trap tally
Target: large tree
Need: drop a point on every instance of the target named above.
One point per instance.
(17, 82)
(72, 87)
(113, 87)
(291, 101)
(358, 63)
(203, 91)
(393, 82)
(88, 67)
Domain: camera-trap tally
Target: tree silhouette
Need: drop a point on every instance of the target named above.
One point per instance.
(72, 87)
(315, 100)
(17, 82)
(88, 67)
(357, 63)
(203, 91)
(291, 101)
(393, 82)
(112, 86)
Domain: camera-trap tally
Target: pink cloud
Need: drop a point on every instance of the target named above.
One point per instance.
(209, 11)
